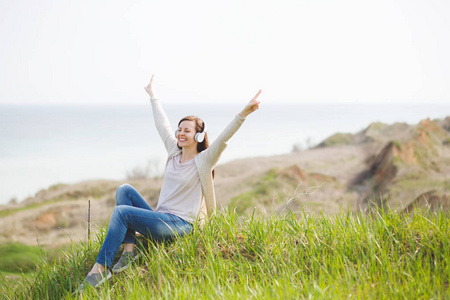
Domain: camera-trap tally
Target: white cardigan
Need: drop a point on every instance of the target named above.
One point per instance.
(205, 160)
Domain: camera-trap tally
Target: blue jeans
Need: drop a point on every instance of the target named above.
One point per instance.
(132, 214)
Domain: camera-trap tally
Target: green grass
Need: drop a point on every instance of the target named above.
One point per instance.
(275, 187)
(16, 258)
(264, 191)
(383, 255)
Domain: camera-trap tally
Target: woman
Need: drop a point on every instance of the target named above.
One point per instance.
(187, 193)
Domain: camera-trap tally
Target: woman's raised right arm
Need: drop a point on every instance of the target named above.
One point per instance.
(161, 121)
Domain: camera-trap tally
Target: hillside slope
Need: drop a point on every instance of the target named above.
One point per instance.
(386, 164)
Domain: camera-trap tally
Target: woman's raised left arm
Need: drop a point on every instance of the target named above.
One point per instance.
(218, 146)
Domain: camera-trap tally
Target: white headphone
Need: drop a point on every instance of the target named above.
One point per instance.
(199, 136)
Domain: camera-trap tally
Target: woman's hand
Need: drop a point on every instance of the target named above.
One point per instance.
(149, 88)
(251, 106)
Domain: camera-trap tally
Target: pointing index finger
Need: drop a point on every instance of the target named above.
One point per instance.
(257, 95)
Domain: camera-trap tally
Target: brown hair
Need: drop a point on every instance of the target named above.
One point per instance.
(199, 127)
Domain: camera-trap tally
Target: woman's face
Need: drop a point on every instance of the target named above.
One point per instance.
(186, 134)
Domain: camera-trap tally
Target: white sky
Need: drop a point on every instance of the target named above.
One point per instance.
(104, 52)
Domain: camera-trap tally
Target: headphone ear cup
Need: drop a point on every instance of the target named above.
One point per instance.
(199, 136)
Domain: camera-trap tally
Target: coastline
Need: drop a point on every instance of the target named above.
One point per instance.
(394, 165)
(48, 145)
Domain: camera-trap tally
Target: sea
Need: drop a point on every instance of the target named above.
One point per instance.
(43, 145)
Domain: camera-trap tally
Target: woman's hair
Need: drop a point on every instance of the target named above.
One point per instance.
(199, 127)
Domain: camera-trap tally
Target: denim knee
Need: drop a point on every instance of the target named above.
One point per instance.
(121, 193)
(120, 211)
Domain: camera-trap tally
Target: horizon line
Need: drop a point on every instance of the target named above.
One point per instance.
(228, 104)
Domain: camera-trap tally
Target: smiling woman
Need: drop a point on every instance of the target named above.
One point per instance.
(192, 129)
(187, 194)
(185, 133)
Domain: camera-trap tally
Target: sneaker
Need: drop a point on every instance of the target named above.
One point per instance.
(95, 279)
(125, 261)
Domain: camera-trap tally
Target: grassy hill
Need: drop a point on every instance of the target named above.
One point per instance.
(382, 255)
(400, 162)
(395, 168)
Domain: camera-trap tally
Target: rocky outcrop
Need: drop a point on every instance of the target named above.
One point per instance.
(377, 177)
(420, 149)
(405, 152)
(293, 173)
(424, 133)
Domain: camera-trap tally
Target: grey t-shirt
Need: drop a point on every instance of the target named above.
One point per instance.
(181, 192)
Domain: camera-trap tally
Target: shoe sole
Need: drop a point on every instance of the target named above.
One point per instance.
(124, 267)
